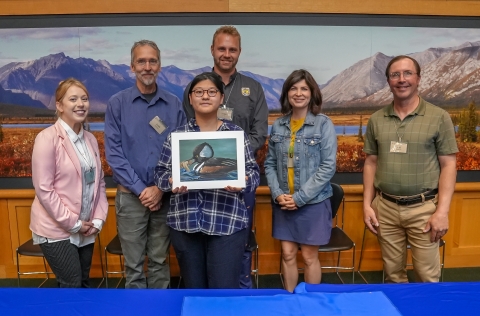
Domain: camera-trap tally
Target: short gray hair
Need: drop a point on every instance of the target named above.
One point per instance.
(143, 43)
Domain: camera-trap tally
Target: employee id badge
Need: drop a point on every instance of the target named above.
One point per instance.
(225, 113)
(158, 125)
(89, 176)
(290, 162)
(398, 147)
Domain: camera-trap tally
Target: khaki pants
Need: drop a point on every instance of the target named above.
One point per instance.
(399, 224)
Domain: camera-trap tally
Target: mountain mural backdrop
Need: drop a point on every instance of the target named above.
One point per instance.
(450, 76)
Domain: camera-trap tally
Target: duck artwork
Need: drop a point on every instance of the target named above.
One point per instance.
(203, 165)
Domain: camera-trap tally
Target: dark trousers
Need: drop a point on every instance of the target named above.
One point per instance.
(208, 261)
(246, 268)
(70, 264)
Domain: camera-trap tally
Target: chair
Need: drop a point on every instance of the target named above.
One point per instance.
(252, 246)
(29, 249)
(115, 248)
(339, 240)
(441, 244)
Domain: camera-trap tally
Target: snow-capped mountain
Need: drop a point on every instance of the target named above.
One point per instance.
(450, 76)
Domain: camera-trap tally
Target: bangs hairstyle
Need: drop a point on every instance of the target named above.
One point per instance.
(315, 104)
(64, 85)
(213, 77)
(400, 57)
(230, 30)
(144, 43)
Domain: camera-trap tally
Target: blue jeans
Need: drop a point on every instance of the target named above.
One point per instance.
(246, 269)
(209, 261)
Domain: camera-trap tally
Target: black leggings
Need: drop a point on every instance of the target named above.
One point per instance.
(70, 264)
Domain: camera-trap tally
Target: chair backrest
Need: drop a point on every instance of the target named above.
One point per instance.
(336, 198)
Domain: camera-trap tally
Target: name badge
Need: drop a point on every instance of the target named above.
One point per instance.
(89, 176)
(225, 113)
(290, 162)
(398, 147)
(158, 125)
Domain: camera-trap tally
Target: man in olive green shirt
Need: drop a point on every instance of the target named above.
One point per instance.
(409, 175)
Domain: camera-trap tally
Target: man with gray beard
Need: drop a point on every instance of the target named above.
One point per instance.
(137, 122)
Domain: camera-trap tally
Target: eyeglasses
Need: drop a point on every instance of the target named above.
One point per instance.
(143, 62)
(396, 75)
(200, 92)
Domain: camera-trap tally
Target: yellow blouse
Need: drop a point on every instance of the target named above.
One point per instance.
(295, 125)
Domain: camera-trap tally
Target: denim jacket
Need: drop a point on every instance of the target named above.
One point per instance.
(314, 159)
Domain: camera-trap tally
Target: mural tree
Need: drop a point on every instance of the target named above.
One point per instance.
(360, 130)
(467, 124)
(1, 130)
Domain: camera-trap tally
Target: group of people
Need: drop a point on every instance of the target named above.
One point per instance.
(409, 175)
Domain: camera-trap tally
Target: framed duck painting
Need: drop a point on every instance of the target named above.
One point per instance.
(208, 160)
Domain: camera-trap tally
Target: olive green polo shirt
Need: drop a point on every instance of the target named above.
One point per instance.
(428, 132)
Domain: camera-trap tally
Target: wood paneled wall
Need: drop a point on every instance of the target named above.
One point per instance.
(462, 240)
(406, 7)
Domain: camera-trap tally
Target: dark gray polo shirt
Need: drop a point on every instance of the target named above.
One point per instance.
(250, 111)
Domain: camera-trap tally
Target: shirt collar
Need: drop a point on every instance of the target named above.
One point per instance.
(232, 77)
(419, 110)
(70, 133)
(159, 94)
(192, 125)
(309, 119)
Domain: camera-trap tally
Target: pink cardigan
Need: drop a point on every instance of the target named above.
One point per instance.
(56, 175)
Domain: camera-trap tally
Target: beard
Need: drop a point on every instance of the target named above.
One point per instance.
(146, 81)
(218, 64)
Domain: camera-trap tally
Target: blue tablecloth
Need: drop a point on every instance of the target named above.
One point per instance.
(455, 298)
(303, 304)
(462, 299)
(52, 302)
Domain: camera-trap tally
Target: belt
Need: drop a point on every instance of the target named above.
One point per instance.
(411, 200)
(123, 189)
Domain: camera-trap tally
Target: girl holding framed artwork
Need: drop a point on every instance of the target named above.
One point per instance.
(208, 227)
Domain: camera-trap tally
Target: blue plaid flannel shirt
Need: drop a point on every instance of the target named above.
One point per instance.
(212, 212)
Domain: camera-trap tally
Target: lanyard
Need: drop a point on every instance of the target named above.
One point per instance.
(396, 128)
(83, 150)
(228, 98)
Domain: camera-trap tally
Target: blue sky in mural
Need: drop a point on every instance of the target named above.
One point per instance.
(272, 51)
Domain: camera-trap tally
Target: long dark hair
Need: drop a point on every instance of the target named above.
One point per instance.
(315, 104)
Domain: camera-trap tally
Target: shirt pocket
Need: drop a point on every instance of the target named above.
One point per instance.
(277, 141)
(312, 147)
(313, 153)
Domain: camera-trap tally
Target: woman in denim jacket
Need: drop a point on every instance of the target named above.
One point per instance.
(301, 161)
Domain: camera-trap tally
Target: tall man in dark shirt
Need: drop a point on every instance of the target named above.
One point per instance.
(244, 104)
(137, 122)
